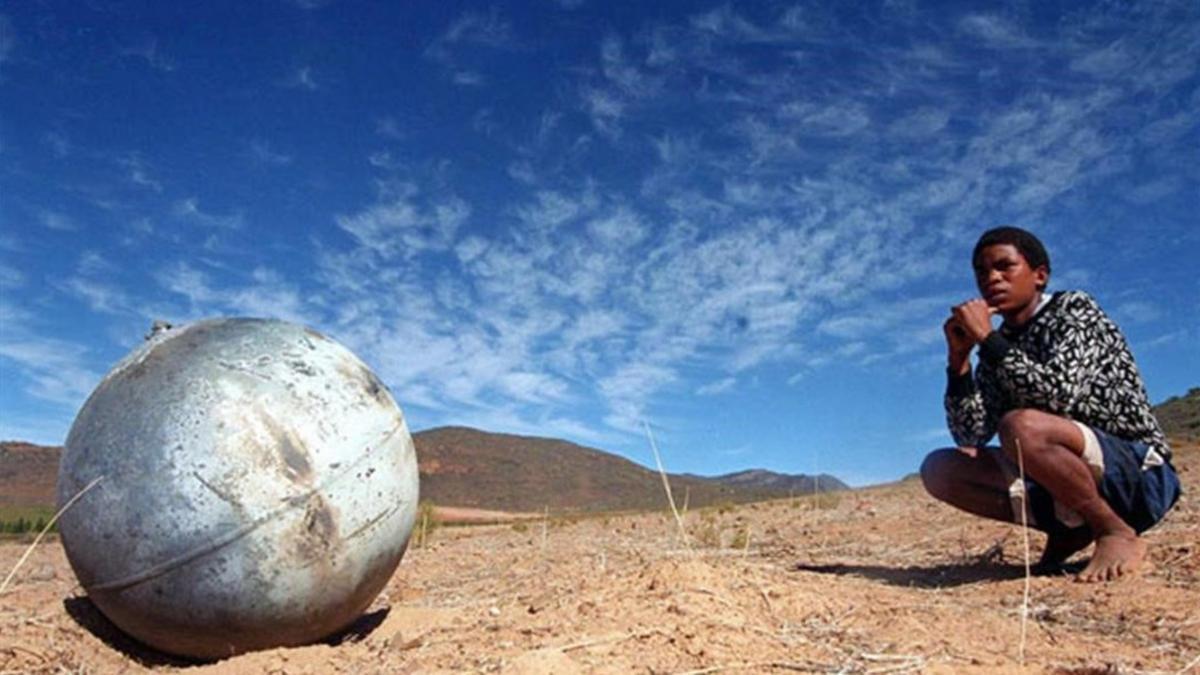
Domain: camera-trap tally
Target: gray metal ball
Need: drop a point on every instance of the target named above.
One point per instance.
(259, 488)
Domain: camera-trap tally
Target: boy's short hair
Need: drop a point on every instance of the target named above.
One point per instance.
(1025, 242)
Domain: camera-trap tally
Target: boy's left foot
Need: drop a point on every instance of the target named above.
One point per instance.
(1117, 555)
(1061, 546)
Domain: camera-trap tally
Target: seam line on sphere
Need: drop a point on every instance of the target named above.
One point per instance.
(290, 503)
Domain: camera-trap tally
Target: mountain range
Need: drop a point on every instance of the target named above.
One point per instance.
(466, 467)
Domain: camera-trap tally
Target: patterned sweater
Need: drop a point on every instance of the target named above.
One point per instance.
(1071, 360)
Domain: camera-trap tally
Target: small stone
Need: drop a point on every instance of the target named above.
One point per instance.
(44, 572)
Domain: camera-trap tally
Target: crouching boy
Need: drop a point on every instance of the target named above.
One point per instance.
(1059, 385)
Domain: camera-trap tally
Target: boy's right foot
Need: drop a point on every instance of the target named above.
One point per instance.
(1117, 554)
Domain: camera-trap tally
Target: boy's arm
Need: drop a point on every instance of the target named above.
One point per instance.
(1055, 383)
(966, 414)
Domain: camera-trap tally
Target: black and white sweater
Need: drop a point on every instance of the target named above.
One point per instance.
(1071, 360)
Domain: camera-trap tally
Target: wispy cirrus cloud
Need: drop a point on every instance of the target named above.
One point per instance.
(189, 210)
(261, 152)
(457, 48)
(55, 220)
(404, 222)
(302, 78)
(55, 370)
(149, 52)
(139, 172)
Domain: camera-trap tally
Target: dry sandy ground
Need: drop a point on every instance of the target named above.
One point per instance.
(884, 581)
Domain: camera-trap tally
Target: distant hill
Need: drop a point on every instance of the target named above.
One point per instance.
(467, 467)
(1179, 416)
(27, 473)
(798, 484)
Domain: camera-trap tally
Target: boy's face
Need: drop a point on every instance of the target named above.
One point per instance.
(1005, 279)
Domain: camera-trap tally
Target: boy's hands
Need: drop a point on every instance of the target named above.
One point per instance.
(968, 325)
(975, 317)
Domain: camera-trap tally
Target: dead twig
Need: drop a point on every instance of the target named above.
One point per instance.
(37, 540)
(799, 666)
(907, 662)
(667, 486)
(605, 640)
(1188, 668)
(1025, 538)
(15, 649)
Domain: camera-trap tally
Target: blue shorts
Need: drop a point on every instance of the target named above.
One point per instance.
(1140, 496)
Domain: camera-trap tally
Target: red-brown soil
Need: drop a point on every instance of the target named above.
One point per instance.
(885, 580)
(27, 474)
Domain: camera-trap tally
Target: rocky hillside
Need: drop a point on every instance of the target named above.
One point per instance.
(1180, 415)
(796, 484)
(27, 474)
(468, 467)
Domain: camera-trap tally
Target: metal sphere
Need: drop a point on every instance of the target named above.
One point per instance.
(259, 486)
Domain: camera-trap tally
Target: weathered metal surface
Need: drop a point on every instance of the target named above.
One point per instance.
(260, 487)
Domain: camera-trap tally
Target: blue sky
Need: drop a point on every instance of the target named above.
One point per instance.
(742, 222)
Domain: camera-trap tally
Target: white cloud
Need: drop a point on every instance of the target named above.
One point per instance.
(995, 31)
(189, 209)
(263, 293)
(604, 109)
(552, 209)
(58, 221)
(725, 23)
(261, 152)
(405, 223)
(100, 296)
(1137, 311)
(301, 78)
(55, 370)
(389, 127)
(620, 229)
(1109, 61)
(59, 144)
(10, 278)
(465, 37)
(383, 159)
(139, 172)
(831, 118)
(468, 78)
(148, 51)
(269, 296)
(920, 123)
(717, 387)
(189, 282)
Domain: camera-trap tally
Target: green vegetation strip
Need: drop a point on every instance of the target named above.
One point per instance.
(18, 520)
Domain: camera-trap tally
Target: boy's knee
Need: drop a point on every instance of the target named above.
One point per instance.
(934, 472)
(1023, 425)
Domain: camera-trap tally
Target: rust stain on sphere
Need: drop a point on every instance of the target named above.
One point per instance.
(260, 487)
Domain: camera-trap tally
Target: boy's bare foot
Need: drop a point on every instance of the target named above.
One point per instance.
(1061, 546)
(1117, 554)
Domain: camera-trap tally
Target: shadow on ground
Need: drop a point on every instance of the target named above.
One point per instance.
(360, 629)
(89, 617)
(933, 576)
